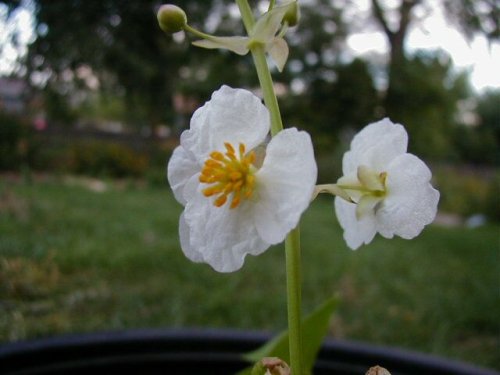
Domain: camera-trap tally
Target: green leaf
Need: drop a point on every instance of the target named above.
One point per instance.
(314, 329)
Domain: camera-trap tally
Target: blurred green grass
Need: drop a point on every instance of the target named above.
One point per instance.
(78, 255)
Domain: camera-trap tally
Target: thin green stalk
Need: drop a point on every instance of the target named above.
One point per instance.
(294, 303)
(263, 73)
(266, 84)
(246, 15)
(292, 241)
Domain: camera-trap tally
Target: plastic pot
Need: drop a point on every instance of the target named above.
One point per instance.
(148, 352)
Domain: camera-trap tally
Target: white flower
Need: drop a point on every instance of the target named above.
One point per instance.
(264, 32)
(390, 187)
(234, 204)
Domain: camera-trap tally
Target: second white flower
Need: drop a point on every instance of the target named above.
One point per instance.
(390, 189)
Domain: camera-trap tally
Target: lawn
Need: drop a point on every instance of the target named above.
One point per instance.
(78, 256)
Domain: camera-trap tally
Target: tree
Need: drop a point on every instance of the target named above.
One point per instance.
(480, 143)
(470, 16)
(425, 100)
(396, 38)
(475, 17)
(121, 44)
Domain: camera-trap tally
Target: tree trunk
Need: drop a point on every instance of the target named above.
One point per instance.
(397, 57)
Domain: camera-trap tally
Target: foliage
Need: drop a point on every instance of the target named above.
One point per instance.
(330, 109)
(468, 191)
(479, 143)
(141, 70)
(110, 159)
(475, 16)
(488, 110)
(314, 327)
(121, 44)
(57, 108)
(16, 142)
(427, 106)
(100, 158)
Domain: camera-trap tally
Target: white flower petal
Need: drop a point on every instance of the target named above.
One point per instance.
(375, 146)
(232, 115)
(222, 236)
(411, 201)
(285, 184)
(356, 232)
(181, 167)
(236, 44)
(189, 251)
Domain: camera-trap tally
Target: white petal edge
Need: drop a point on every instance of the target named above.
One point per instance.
(186, 247)
(375, 146)
(411, 201)
(222, 236)
(232, 115)
(284, 184)
(356, 232)
(181, 167)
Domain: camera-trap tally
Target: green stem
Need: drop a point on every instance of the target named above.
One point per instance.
(198, 33)
(263, 73)
(294, 278)
(266, 84)
(246, 15)
(292, 242)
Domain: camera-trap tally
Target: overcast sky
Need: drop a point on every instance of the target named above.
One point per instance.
(479, 57)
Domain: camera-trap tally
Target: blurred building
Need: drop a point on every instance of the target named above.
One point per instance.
(13, 95)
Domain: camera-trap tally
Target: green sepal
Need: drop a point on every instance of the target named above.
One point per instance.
(236, 44)
(268, 25)
(278, 50)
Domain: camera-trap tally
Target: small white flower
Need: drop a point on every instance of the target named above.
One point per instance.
(234, 204)
(390, 187)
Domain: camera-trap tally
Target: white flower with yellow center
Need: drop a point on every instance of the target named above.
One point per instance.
(390, 189)
(239, 196)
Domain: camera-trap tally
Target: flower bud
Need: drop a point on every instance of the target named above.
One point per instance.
(171, 18)
(292, 15)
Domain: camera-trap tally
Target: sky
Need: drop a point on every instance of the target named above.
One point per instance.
(478, 57)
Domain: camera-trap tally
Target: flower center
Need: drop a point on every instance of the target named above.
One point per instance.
(229, 174)
(368, 190)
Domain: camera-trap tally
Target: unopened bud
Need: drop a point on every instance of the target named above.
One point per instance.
(292, 15)
(377, 370)
(271, 366)
(171, 18)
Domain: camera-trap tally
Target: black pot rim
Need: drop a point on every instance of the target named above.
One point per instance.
(156, 346)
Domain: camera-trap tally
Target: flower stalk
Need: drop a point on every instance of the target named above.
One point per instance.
(294, 299)
(292, 241)
(266, 84)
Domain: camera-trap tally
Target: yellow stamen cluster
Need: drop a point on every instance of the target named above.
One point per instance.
(229, 174)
